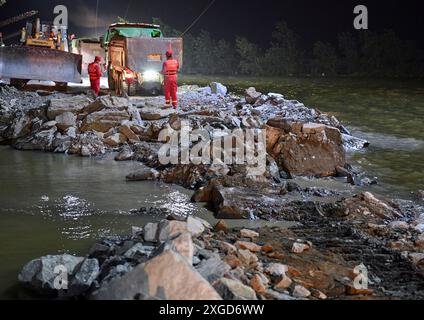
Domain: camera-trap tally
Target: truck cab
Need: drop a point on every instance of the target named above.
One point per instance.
(135, 53)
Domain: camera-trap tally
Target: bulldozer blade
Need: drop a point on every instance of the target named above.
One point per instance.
(37, 63)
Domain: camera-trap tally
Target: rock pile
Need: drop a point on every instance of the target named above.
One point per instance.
(168, 260)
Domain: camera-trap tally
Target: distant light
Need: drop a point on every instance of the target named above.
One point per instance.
(151, 75)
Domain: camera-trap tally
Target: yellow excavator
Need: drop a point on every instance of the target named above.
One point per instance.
(43, 35)
(42, 55)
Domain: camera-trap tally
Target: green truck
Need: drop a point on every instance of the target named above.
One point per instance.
(135, 53)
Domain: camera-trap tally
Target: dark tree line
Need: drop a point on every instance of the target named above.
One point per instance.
(364, 53)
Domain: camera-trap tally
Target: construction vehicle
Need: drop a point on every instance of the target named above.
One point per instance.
(88, 48)
(135, 53)
(42, 55)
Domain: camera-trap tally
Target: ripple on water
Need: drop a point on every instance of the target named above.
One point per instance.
(177, 203)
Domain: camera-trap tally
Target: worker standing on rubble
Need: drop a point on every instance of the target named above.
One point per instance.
(95, 73)
(170, 71)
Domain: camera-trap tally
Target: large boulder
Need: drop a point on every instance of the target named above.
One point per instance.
(129, 133)
(41, 274)
(166, 277)
(115, 140)
(107, 102)
(43, 140)
(73, 104)
(21, 126)
(66, 120)
(153, 113)
(104, 120)
(306, 149)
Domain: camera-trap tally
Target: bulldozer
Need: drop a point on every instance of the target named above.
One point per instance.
(42, 55)
(135, 53)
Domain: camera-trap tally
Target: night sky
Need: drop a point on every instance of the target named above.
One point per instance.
(311, 20)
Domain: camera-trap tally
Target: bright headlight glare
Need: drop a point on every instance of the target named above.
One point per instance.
(150, 75)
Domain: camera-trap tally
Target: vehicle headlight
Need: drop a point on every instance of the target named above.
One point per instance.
(151, 76)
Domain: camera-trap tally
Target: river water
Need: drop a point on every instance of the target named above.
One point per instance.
(52, 203)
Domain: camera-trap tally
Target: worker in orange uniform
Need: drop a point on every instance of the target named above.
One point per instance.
(170, 71)
(95, 73)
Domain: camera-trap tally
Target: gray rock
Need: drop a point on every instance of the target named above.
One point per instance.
(100, 252)
(301, 292)
(354, 144)
(218, 88)
(252, 95)
(139, 250)
(143, 174)
(234, 290)
(21, 127)
(49, 124)
(153, 113)
(40, 274)
(74, 104)
(126, 154)
(136, 231)
(83, 277)
(276, 269)
(213, 269)
(66, 120)
(274, 295)
(108, 102)
(71, 132)
(151, 232)
(195, 226)
(196, 261)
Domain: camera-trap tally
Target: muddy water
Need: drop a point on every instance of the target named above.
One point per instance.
(54, 204)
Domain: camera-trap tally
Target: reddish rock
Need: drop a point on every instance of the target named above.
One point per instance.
(245, 233)
(127, 132)
(221, 226)
(257, 284)
(267, 248)
(284, 284)
(352, 291)
(277, 256)
(248, 246)
(308, 150)
(293, 272)
(227, 247)
(233, 261)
